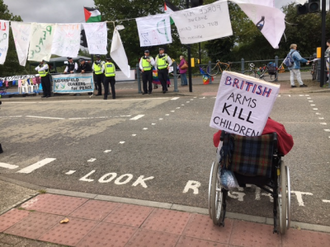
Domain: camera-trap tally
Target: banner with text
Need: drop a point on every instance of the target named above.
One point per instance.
(243, 104)
(97, 37)
(154, 30)
(4, 40)
(73, 83)
(66, 41)
(203, 23)
(21, 32)
(41, 40)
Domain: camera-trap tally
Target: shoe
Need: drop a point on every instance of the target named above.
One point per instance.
(164, 91)
(293, 86)
(303, 85)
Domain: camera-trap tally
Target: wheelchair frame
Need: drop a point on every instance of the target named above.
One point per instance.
(278, 186)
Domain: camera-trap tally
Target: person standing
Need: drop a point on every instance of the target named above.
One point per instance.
(98, 69)
(327, 59)
(43, 71)
(84, 66)
(183, 67)
(146, 64)
(109, 77)
(72, 67)
(295, 69)
(162, 63)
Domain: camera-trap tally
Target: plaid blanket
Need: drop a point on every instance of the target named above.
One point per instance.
(251, 156)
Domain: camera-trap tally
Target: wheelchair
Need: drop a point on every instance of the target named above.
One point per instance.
(252, 160)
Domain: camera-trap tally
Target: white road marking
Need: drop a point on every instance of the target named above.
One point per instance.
(289, 95)
(315, 109)
(36, 166)
(172, 111)
(58, 118)
(317, 113)
(8, 166)
(121, 142)
(323, 123)
(153, 123)
(107, 151)
(91, 160)
(11, 116)
(137, 117)
(178, 108)
(328, 201)
(167, 115)
(175, 98)
(313, 105)
(161, 119)
(145, 128)
(311, 101)
(327, 130)
(182, 104)
(321, 118)
(133, 134)
(70, 172)
(306, 94)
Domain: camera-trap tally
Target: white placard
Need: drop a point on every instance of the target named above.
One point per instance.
(243, 104)
(41, 40)
(4, 40)
(73, 83)
(97, 37)
(66, 41)
(203, 23)
(154, 30)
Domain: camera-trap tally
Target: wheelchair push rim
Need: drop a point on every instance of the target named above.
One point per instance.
(217, 212)
(284, 200)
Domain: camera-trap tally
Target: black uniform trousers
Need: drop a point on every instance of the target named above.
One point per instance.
(46, 86)
(112, 81)
(99, 79)
(162, 76)
(147, 77)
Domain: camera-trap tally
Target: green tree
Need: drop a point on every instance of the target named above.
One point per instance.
(11, 65)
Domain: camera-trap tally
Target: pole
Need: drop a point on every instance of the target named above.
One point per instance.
(189, 58)
(323, 40)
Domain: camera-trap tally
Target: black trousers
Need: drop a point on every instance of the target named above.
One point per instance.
(46, 86)
(162, 76)
(99, 79)
(147, 77)
(112, 81)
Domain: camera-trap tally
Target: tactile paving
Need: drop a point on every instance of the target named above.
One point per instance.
(149, 238)
(11, 218)
(294, 238)
(167, 221)
(34, 225)
(94, 210)
(202, 227)
(186, 241)
(251, 234)
(108, 234)
(69, 233)
(54, 204)
(130, 215)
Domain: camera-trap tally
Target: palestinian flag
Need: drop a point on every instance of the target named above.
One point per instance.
(169, 8)
(92, 15)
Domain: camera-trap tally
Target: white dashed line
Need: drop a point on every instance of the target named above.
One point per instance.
(172, 111)
(313, 105)
(57, 118)
(145, 128)
(175, 98)
(323, 123)
(327, 130)
(137, 117)
(167, 115)
(153, 123)
(133, 134)
(321, 118)
(161, 119)
(317, 113)
(91, 160)
(182, 104)
(315, 109)
(178, 108)
(36, 166)
(8, 166)
(328, 201)
(107, 151)
(70, 172)
(121, 142)
(310, 101)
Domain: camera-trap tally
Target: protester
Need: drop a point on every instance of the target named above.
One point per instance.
(183, 66)
(98, 69)
(295, 69)
(109, 73)
(146, 64)
(162, 63)
(43, 71)
(84, 66)
(327, 59)
(72, 67)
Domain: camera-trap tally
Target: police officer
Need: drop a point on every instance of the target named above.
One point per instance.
(98, 74)
(109, 77)
(84, 66)
(146, 63)
(72, 67)
(43, 71)
(163, 62)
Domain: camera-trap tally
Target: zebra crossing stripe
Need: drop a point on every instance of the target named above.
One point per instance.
(36, 166)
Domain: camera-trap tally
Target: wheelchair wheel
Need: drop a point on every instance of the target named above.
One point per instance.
(288, 209)
(282, 199)
(216, 199)
(209, 191)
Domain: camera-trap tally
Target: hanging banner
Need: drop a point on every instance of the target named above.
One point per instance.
(73, 83)
(4, 40)
(21, 32)
(66, 41)
(269, 20)
(41, 41)
(97, 37)
(243, 104)
(118, 53)
(203, 23)
(269, 3)
(154, 30)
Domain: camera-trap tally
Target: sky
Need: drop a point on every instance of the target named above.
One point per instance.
(62, 11)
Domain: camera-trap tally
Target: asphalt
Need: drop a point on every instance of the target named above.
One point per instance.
(35, 216)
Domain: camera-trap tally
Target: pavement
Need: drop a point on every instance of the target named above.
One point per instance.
(35, 216)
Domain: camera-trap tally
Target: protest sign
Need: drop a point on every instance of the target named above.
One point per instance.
(97, 37)
(243, 104)
(154, 30)
(4, 40)
(21, 33)
(203, 23)
(73, 83)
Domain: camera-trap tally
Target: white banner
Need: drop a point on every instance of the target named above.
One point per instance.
(4, 40)
(66, 41)
(243, 104)
(73, 83)
(154, 30)
(203, 23)
(269, 3)
(21, 32)
(41, 41)
(269, 20)
(97, 37)
(118, 53)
